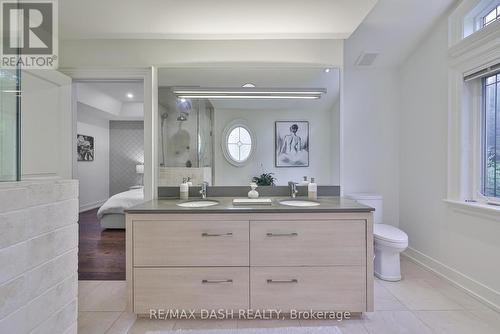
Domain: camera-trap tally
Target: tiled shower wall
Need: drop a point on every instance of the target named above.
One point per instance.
(126, 150)
(38, 257)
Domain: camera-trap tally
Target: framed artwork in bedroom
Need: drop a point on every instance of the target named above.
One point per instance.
(85, 147)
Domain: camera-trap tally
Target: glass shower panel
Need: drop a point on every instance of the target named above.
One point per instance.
(10, 83)
(205, 142)
(185, 139)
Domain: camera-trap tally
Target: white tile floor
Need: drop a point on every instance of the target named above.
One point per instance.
(421, 303)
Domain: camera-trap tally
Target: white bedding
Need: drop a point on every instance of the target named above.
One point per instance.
(120, 202)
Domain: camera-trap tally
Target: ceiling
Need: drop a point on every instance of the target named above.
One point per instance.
(292, 77)
(216, 19)
(119, 90)
(391, 28)
(107, 99)
(394, 28)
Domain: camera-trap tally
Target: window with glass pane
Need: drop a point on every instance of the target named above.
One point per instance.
(491, 138)
(239, 144)
(492, 16)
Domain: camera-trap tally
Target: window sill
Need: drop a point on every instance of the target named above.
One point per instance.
(481, 210)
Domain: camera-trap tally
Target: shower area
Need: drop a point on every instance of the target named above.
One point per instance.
(185, 139)
(10, 125)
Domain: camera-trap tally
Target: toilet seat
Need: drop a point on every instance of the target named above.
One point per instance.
(389, 234)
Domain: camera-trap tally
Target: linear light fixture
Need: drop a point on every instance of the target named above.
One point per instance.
(249, 97)
(249, 93)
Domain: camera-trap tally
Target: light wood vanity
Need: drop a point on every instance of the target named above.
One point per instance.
(303, 259)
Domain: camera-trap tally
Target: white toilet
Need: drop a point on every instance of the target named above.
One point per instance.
(389, 240)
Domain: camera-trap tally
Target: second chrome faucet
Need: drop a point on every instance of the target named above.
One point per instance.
(203, 191)
(293, 189)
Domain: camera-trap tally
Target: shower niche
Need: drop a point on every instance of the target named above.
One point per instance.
(185, 139)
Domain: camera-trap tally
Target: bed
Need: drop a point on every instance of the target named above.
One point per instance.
(111, 214)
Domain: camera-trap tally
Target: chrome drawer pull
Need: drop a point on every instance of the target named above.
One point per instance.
(216, 281)
(294, 280)
(294, 234)
(229, 234)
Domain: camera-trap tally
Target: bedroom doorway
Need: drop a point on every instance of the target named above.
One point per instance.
(109, 154)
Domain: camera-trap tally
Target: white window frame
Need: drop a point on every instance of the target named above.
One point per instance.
(480, 18)
(483, 143)
(466, 20)
(225, 135)
(467, 56)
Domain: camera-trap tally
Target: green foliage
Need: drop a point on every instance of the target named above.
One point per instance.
(265, 179)
(491, 157)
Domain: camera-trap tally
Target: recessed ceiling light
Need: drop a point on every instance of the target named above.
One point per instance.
(130, 95)
(248, 85)
(327, 70)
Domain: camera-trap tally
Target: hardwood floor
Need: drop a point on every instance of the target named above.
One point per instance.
(101, 254)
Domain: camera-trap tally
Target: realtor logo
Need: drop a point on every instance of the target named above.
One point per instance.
(29, 34)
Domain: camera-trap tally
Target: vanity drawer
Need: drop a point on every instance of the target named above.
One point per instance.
(307, 243)
(190, 288)
(340, 288)
(190, 243)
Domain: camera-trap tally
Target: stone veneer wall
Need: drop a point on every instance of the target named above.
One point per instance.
(39, 257)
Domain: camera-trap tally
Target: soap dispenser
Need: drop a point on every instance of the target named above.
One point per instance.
(304, 182)
(312, 190)
(184, 190)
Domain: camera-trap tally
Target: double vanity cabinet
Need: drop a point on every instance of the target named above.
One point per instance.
(238, 258)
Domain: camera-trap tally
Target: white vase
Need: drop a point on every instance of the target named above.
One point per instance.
(253, 193)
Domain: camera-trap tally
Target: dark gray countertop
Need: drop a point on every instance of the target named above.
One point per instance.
(327, 204)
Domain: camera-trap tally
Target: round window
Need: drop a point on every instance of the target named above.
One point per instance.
(238, 143)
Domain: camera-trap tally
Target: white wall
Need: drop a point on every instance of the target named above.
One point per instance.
(93, 175)
(46, 125)
(96, 99)
(322, 133)
(459, 243)
(38, 257)
(370, 133)
(144, 53)
(133, 110)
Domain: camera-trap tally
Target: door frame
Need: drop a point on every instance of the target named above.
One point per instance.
(149, 77)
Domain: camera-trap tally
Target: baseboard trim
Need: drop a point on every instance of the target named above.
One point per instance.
(90, 206)
(472, 287)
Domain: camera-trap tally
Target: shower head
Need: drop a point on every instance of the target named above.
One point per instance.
(184, 105)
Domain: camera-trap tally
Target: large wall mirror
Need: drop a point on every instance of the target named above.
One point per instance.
(227, 125)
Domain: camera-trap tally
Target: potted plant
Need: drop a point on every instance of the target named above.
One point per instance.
(265, 179)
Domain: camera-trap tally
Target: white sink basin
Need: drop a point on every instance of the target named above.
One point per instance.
(197, 204)
(300, 203)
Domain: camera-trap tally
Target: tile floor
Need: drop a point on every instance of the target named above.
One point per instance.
(421, 303)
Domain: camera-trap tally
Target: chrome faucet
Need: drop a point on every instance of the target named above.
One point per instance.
(293, 189)
(203, 190)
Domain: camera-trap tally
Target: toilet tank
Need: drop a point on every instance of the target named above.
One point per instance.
(373, 200)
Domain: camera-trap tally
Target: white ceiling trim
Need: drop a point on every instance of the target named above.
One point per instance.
(222, 37)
